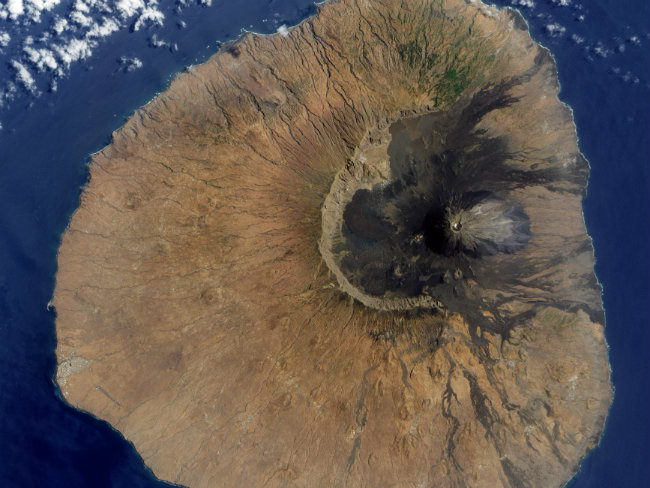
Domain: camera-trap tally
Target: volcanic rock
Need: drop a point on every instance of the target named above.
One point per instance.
(352, 255)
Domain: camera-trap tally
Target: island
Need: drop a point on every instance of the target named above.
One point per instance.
(350, 254)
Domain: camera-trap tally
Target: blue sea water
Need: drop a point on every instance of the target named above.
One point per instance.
(603, 56)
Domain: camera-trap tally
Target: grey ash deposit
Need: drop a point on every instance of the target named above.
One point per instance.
(448, 206)
(435, 214)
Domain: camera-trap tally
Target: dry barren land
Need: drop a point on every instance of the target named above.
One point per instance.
(349, 256)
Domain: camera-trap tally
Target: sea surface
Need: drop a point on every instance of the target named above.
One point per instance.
(71, 72)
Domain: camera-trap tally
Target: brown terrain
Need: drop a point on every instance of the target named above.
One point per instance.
(349, 256)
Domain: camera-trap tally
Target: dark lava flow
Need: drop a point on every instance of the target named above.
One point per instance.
(447, 220)
(451, 223)
(446, 207)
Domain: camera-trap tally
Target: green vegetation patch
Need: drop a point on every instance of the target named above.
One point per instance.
(443, 56)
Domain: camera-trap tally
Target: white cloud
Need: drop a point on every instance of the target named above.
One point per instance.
(149, 16)
(81, 6)
(42, 58)
(4, 39)
(523, 3)
(555, 29)
(600, 50)
(128, 8)
(8, 93)
(23, 76)
(45, 37)
(15, 8)
(59, 25)
(577, 39)
(283, 31)
(156, 42)
(70, 34)
(106, 28)
(74, 50)
(34, 8)
(130, 64)
(43, 4)
(80, 18)
(628, 77)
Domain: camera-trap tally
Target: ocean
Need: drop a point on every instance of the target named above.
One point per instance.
(110, 58)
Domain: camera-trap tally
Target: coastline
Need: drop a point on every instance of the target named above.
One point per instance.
(142, 111)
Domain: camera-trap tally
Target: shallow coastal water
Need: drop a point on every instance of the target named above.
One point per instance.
(45, 143)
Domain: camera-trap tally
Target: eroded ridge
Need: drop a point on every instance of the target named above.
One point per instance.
(353, 255)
